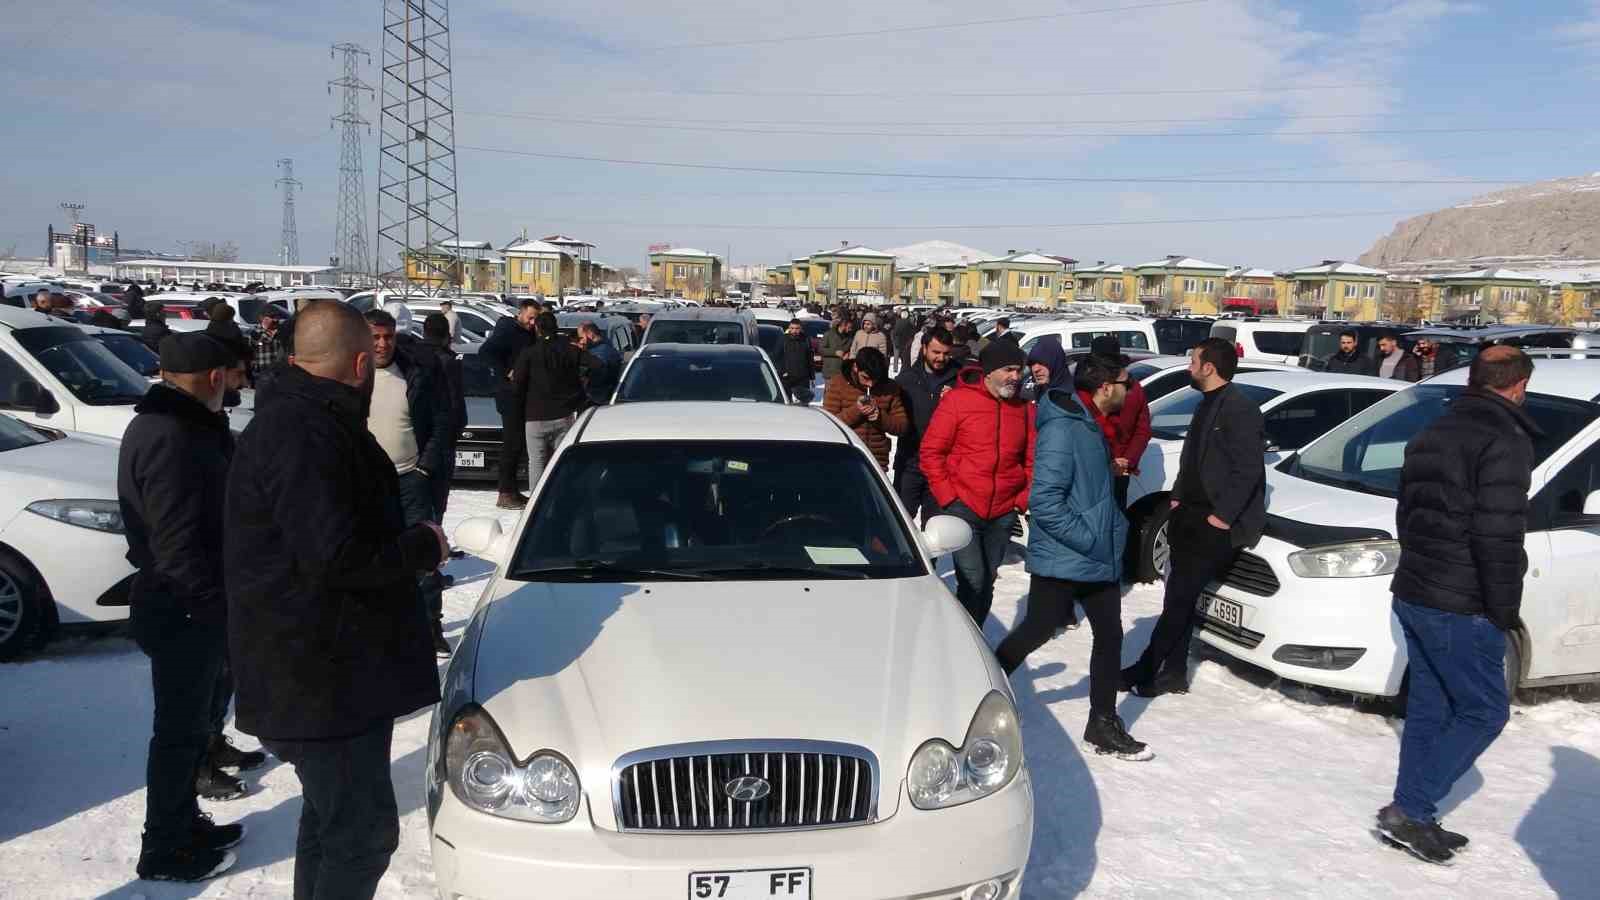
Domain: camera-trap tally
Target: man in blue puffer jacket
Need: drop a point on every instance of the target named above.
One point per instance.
(1075, 543)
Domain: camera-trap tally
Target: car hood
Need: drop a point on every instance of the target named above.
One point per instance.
(76, 467)
(1320, 504)
(596, 671)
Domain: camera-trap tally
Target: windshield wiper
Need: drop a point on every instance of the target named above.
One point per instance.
(604, 570)
(763, 569)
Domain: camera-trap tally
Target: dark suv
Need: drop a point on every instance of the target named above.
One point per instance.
(1178, 335)
(1322, 340)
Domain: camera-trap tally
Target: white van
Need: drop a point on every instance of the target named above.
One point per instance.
(1265, 340)
(1077, 334)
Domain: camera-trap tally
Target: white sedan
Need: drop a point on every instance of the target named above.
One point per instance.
(61, 545)
(714, 661)
(1298, 406)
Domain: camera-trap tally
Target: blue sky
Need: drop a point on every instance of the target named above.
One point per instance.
(165, 117)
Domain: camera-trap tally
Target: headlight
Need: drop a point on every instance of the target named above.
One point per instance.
(98, 515)
(486, 777)
(990, 756)
(1361, 559)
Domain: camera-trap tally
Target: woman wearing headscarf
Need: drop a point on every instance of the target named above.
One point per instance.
(863, 397)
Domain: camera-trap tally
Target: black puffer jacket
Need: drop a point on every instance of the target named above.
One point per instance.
(922, 390)
(428, 399)
(1463, 509)
(172, 472)
(326, 631)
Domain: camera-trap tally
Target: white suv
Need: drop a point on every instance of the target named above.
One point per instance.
(1264, 340)
(718, 662)
(1311, 602)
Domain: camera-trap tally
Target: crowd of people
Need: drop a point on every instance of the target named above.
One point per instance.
(295, 571)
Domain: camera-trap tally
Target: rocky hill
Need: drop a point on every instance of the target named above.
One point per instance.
(1557, 219)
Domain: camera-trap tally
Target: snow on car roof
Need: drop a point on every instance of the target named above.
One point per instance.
(721, 421)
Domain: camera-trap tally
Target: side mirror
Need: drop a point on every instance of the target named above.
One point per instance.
(1591, 504)
(30, 396)
(946, 534)
(482, 537)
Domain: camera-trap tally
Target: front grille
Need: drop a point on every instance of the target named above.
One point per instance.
(1251, 574)
(810, 784)
(1244, 637)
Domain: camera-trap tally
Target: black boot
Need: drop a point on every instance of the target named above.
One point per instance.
(184, 864)
(1107, 735)
(1420, 839)
(441, 647)
(208, 835)
(214, 784)
(224, 755)
(1170, 681)
(1454, 840)
(513, 500)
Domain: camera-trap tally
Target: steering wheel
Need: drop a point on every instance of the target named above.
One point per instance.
(789, 521)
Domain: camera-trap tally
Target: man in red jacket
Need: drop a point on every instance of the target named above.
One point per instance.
(977, 455)
(1132, 433)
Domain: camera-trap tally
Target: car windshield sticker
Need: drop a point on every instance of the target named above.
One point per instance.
(735, 465)
(836, 556)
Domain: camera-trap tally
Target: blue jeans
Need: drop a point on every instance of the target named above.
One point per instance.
(1458, 702)
(978, 562)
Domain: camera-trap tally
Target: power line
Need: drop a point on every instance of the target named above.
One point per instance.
(909, 29)
(918, 122)
(1052, 135)
(1028, 179)
(1113, 223)
(1146, 92)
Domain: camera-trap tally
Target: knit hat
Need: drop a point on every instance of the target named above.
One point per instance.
(1000, 354)
(192, 351)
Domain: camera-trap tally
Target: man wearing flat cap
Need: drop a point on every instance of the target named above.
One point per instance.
(171, 480)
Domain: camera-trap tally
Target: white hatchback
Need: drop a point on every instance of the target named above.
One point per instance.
(1311, 601)
(714, 661)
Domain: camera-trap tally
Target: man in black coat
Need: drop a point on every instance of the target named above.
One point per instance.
(1462, 516)
(436, 339)
(172, 472)
(1218, 507)
(547, 383)
(1349, 360)
(903, 333)
(328, 642)
(922, 383)
(501, 351)
(155, 326)
(796, 364)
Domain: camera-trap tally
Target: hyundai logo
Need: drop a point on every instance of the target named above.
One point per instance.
(747, 789)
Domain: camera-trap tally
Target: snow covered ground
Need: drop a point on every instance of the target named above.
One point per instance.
(1258, 789)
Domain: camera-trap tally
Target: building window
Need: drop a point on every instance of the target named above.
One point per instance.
(875, 274)
(546, 266)
(1370, 291)
(1024, 280)
(680, 271)
(854, 273)
(1350, 291)
(1044, 282)
(1211, 286)
(1188, 285)
(1114, 289)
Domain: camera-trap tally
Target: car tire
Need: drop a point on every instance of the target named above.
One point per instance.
(25, 616)
(1155, 548)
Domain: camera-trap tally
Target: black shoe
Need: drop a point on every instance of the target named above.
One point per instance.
(512, 500)
(441, 647)
(1127, 679)
(185, 864)
(215, 784)
(1419, 839)
(208, 835)
(1107, 735)
(1454, 840)
(1169, 682)
(224, 755)
(446, 581)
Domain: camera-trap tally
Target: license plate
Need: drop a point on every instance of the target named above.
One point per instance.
(469, 459)
(1219, 610)
(751, 884)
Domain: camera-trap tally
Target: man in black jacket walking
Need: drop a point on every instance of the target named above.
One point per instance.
(796, 364)
(1349, 360)
(172, 472)
(501, 351)
(328, 642)
(1462, 516)
(1218, 507)
(922, 383)
(547, 383)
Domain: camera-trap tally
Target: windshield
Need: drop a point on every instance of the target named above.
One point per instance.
(477, 380)
(132, 351)
(1128, 340)
(670, 332)
(699, 377)
(1366, 453)
(14, 435)
(1141, 371)
(727, 510)
(1170, 416)
(88, 369)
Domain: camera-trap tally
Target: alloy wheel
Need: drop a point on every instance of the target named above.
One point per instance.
(11, 610)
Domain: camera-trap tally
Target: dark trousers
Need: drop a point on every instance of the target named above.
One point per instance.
(1200, 554)
(978, 563)
(1050, 609)
(513, 450)
(185, 665)
(349, 822)
(222, 696)
(1457, 706)
(416, 503)
(912, 486)
(441, 483)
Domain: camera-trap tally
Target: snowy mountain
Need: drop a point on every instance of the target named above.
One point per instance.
(936, 253)
(1551, 222)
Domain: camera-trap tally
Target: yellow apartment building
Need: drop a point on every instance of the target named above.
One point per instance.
(1103, 282)
(851, 275)
(800, 277)
(916, 285)
(1485, 296)
(687, 273)
(955, 284)
(1019, 279)
(1335, 290)
(1256, 292)
(538, 267)
(1180, 284)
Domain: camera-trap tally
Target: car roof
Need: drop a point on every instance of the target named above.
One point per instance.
(710, 421)
(573, 319)
(1575, 379)
(16, 317)
(700, 350)
(700, 314)
(1297, 380)
(1045, 322)
(1490, 332)
(1266, 324)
